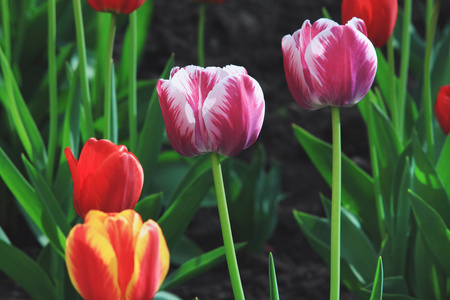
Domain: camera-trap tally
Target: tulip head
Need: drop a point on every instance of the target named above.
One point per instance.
(106, 177)
(116, 256)
(211, 109)
(379, 16)
(327, 64)
(442, 108)
(116, 6)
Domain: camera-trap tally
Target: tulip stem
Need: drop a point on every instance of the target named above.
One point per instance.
(335, 206)
(431, 28)
(107, 132)
(201, 35)
(52, 85)
(6, 29)
(81, 46)
(404, 67)
(230, 252)
(132, 96)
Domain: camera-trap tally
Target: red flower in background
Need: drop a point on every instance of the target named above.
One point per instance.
(116, 6)
(442, 108)
(116, 256)
(379, 15)
(106, 177)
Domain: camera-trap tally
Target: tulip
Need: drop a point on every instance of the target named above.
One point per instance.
(327, 64)
(106, 177)
(379, 15)
(212, 109)
(116, 256)
(116, 6)
(442, 108)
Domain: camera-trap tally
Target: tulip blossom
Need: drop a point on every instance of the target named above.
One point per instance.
(442, 108)
(378, 15)
(106, 177)
(327, 64)
(116, 6)
(116, 256)
(212, 109)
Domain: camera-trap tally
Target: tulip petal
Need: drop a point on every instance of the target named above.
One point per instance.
(358, 24)
(123, 229)
(151, 262)
(342, 62)
(71, 160)
(91, 264)
(233, 113)
(116, 185)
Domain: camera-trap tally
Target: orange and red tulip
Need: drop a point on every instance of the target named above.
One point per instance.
(106, 177)
(115, 256)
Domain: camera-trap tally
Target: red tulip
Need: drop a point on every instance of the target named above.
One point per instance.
(379, 15)
(328, 64)
(442, 108)
(218, 110)
(106, 177)
(116, 6)
(114, 256)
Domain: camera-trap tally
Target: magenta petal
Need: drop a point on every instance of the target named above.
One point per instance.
(358, 24)
(233, 114)
(343, 63)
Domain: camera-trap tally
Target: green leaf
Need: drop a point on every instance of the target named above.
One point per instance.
(442, 167)
(196, 266)
(175, 220)
(273, 280)
(4, 237)
(427, 183)
(26, 273)
(163, 295)
(186, 249)
(114, 119)
(29, 200)
(149, 207)
(431, 281)
(26, 128)
(433, 229)
(150, 139)
(357, 186)
(48, 200)
(377, 291)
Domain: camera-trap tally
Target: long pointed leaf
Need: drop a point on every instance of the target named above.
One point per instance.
(377, 291)
(273, 280)
(26, 273)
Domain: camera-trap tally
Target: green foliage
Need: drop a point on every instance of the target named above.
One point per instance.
(402, 210)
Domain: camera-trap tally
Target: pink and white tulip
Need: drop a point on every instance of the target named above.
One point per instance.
(327, 64)
(212, 109)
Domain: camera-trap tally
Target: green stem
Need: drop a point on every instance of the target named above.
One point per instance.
(83, 67)
(404, 66)
(6, 29)
(226, 228)
(201, 35)
(335, 206)
(52, 85)
(428, 102)
(107, 133)
(132, 97)
(395, 111)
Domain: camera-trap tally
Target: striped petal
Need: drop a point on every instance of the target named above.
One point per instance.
(151, 262)
(233, 114)
(91, 264)
(343, 63)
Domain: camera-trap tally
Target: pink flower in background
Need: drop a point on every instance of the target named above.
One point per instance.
(442, 108)
(327, 64)
(211, 109)
(106, 177)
